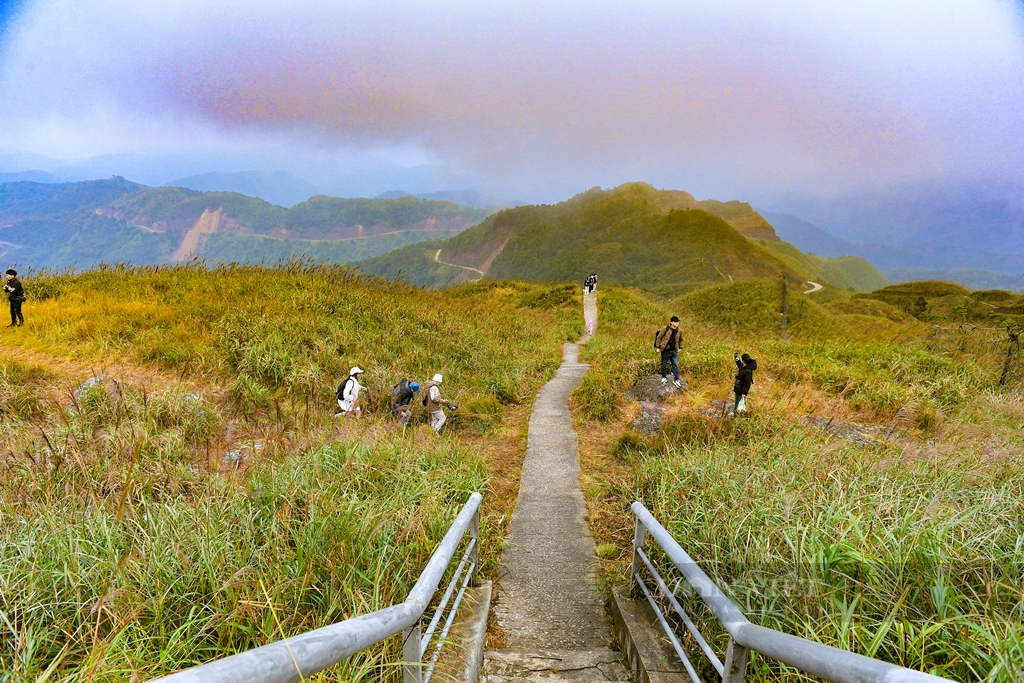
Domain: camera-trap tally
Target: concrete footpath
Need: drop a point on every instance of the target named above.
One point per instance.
(548, 608)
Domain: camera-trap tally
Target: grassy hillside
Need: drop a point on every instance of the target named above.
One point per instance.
(225, 247)
(936, 300)
(84, 224)
(197, 498)
(871, 500)
(417, 265)
(632, 235)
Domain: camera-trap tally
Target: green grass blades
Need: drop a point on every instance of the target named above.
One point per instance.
(195, 497)
(905, 545)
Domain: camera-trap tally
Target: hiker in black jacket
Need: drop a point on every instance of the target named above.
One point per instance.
(668, 340)
(744, 380)
(401, 400)
(16, 295)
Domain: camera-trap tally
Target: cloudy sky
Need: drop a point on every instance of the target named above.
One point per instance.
(529, 99)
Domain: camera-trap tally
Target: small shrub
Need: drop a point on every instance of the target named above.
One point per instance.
(249, 395)
(552, 297)
(628, 446)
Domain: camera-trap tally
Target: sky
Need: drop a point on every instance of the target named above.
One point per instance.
(526, 99)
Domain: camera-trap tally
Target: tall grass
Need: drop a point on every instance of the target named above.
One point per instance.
(908, 549)
(198, 499)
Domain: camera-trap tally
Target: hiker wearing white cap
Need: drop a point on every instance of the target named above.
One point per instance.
(348, 394)
(434, 403)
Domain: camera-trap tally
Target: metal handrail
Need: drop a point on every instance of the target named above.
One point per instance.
(824, 661)
(297, 657)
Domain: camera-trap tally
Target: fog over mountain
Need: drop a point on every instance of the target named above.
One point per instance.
(855, 116)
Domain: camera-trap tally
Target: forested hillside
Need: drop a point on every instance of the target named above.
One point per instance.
(114, 220)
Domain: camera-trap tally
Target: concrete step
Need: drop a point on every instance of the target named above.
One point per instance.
(579, 666)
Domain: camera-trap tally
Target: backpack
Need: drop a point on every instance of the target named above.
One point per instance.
(340, 393)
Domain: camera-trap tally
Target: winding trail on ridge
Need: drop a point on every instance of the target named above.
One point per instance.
(437, 259)
(547, 606)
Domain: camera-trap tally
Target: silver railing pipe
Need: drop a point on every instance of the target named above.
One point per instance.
(824, 661)
(298, 657)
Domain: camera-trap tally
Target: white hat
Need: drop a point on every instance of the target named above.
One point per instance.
(438, 378)
(356, 371)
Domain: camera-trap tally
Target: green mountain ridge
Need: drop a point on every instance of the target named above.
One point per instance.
(85, 223)
(633, 235)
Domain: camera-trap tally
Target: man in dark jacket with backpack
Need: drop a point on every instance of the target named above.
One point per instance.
(744, 380)
(668, 340)
(16, 295)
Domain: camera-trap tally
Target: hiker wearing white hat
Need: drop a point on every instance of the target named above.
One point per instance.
(434, 402)
(348, 394)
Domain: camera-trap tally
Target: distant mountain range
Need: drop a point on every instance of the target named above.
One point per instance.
(473, 198)
(47, 225)
(632, 235)
(280, 187)
(924, 260)
(979, 216)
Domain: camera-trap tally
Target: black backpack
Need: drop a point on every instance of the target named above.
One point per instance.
(340, 393)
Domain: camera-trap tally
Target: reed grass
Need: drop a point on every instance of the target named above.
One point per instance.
(910, 548)
(196, 498)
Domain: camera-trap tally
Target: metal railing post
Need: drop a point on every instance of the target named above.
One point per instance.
(412, 658)
(639, 538)
(474, 556)
(736, 657)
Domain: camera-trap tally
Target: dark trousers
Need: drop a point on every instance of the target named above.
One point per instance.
(16, 317)
(736, 405)
(673, 358)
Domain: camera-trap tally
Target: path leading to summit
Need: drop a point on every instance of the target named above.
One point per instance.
(548, 609)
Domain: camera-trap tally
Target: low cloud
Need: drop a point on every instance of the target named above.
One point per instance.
(731, 100)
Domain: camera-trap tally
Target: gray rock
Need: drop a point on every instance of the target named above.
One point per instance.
(862, 434)
(650, 418)
(232, 457)
(718, 410)
(650, 389)
(83, 388)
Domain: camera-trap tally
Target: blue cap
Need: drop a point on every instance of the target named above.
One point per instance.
(414, 386)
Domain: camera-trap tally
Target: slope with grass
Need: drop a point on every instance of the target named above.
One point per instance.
(83, 224)
(936, 300)
(196, 498)
(633, 235)
(903, 544)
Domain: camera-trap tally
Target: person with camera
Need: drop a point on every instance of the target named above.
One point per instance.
(744, 380)
(435, 402)
(16, 296)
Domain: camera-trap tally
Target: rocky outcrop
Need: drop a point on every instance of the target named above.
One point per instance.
(650, 393)
(651, 390)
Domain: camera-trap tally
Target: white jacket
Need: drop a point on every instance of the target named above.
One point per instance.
(349, 394)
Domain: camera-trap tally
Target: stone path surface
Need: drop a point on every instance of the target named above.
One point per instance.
(553, 619)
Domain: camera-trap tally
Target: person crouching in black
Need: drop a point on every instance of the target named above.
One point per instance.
(744, 380)
(16, 295)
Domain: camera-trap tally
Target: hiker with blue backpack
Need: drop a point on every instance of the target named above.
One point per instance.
(401, 400)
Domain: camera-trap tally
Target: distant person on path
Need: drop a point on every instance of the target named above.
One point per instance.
(668, 340)
(348, 394)
(401, 400)
(744, 380)
(593, 282)
(16, 295)
(434, 402)
(587, 284)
